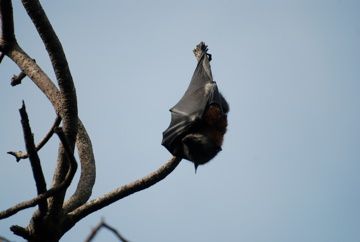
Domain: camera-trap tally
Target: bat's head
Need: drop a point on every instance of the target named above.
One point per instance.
(199, 149)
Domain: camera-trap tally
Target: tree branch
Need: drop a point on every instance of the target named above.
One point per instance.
(24, 155)
(16, 79)
(7, 38)
(69, 155)
(51, 192)
(68, 109)
(20, 231)
(36, 74)
(123, 191)
(83, 142)
(102, 224)
(34, 158)
(88, 171)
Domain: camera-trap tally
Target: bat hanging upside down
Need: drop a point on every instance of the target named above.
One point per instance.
(199, 119)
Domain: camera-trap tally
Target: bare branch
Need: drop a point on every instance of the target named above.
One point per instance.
(7, 38)
(69, 155)
(30, 203)
(83, 142)
(51, 192)
(16, 79)
(34, 158)
(23, 155)
(124, 191)
(88, 171)
(36, 74)
(102, 224)
(68, 109)
(20, 231)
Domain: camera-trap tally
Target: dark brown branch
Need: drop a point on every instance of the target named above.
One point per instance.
(30, 203)
(36, 74)
(123, 191)
(7, 38)
(16, 79)
(20, 231)
(83, 142)
(34, 158)
(102, 224)
(23, 155)
(51, 192)
(68, 108)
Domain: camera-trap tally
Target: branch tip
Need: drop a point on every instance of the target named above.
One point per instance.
(20, 231)
(16, 79)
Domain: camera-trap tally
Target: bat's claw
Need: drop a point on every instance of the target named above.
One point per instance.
(200, 49)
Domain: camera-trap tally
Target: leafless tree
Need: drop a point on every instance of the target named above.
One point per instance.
(55, 215)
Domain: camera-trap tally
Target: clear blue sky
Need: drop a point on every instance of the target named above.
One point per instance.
(289, 169)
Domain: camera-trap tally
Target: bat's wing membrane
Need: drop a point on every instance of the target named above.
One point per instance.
(190, 108)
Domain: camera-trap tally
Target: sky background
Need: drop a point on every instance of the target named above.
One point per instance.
(289, 169)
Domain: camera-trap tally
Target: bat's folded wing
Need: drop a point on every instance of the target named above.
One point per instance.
(189, 110)
(180, 124)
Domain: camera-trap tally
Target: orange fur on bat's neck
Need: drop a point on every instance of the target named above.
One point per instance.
(215, 124)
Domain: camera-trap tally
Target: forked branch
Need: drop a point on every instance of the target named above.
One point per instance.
(24, 155)
(123, 191)
(51, 192)
(68, 108)
(104, 225)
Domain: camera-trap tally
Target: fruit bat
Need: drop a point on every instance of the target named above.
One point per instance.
(199, 119)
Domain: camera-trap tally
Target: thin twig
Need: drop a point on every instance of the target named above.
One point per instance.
(102, 224)
(34, 158)
(49, 193)
(16, 79)
(123, 191)
(20, 231)
(24, 155)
